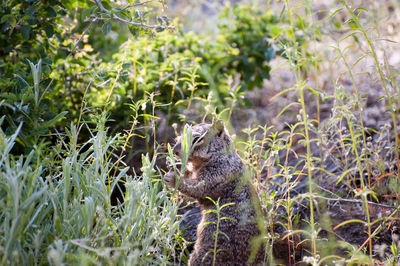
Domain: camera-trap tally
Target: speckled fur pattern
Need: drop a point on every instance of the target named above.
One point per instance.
(217, 172)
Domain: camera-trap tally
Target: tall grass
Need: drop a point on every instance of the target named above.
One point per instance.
(58, 210)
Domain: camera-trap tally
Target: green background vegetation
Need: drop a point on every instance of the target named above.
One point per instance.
(92, 92)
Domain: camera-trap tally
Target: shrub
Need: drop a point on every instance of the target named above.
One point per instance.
(56, 205)
(178, 68)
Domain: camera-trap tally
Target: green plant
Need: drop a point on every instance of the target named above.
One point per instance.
(348, 138)
(249, 32)
(180, 68)
(217, 211)
(38, 31)
(297, 61)
(26, 30)
(32, 108)
(358, 27)
(57, 210)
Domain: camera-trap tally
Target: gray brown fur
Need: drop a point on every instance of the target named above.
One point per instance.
(217, 172)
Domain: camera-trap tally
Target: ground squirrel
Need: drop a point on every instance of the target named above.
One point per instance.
(216, 171)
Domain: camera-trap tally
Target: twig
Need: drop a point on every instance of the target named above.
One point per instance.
(355, 201)
(83, 34)
(378, 229)
(115, 17)
(100, 5)
(172, 73)
(137, 4)
(350, 200)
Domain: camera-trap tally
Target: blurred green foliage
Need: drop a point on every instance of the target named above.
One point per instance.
(88, 60)
(29, 31)
(250, 32)
(36, 37)
(174, 68)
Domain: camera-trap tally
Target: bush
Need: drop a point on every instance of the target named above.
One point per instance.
(178, 68)
(57, 210)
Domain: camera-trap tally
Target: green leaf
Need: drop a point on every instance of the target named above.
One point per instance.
(276, 31)
(106, 28)
(54, 120)
(347, 36)
(49, 30)
(269, 54)
(394, 249)
(246, 102)
(337, 24)
(31, 20)
(334, 13)
(159, 29)
(51, 12)
(344, 174)
(135, 31)
(348, 222)
(5, 18)
(285, 108)
(25, 31)
(126, 65)
(30, 10)
(86, 13)
(58, 224)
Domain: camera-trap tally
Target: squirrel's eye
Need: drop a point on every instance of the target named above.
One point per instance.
(196, 140)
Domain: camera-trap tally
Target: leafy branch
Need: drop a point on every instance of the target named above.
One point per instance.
(162, 26)
(163, 21)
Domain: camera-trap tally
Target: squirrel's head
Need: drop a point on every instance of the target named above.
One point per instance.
(208, 140)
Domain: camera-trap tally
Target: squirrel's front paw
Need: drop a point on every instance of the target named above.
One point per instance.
(169, 179)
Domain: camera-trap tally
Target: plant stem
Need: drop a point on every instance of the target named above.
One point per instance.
(381, 76)
(301, 86)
